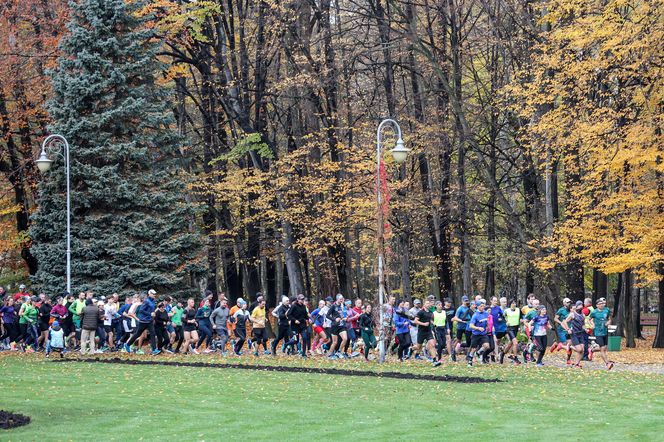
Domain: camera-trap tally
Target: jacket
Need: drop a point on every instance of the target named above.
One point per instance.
(146, 309)
(90, 317)
(402, 323)
(219, 317)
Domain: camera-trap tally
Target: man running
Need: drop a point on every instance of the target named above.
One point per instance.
(478, 325)
(259, 333)
(513, 319)
(339, 335)
(563, 340)
(145, 322)
(463, 333)
(423, 321)
(600, 319)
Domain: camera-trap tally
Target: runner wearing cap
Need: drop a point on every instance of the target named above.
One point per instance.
(478, 325)
(600, 319)
(539, 325)
(574, 326)
(563, 340)
(145, 316)
(463, 333)
(297, 315)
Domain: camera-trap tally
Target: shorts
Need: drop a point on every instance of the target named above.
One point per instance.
(601, 340)
(170, 328)
(259, 335)
(318, 329)
(562, 336)
(108, 328)
(577, 338)
(500, 335)
(189, 328)
(478, 340)
(337, 329)
(460, 333)
(43, 326)
(512, 332)
(423, 335)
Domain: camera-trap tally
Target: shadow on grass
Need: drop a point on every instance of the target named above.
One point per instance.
(288, 369)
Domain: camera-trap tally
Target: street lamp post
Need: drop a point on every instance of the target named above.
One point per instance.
(399, 153)
(44, 164)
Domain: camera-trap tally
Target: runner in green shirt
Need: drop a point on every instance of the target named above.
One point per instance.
(600, 319)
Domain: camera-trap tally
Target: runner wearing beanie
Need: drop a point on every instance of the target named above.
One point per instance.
(240, 318)
(600, 319)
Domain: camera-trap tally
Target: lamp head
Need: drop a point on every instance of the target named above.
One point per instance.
(400, 152)
(44, 162)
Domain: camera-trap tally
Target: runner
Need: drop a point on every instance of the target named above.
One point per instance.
(463, 333)
(28, 324)
(539, 325)
(204, 326)
(351, 324)
(44, 315)
(600, 319)
(439, 319)
(423, 321)
(587, 347)
(574, 326)
(145, 314)
(161, 321)
(402, 324)
(282, 323)
(259, 333)
(297, 315)
(366, 325)
(240, 318)
(412, 314)
(219, 320)
(531, 312)
(10, 322)
(189, 327)
(478, 325)
(339, 335)
(513, 316)
(176, 321)
(317, 319)
(563, 340)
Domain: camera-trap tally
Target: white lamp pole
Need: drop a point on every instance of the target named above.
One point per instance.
(44, 164)
(400, 153)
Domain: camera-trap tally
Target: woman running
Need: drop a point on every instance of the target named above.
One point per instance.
(28, 324)
(10, 322)
(189, 326)
(513, 317)
(366, 324)
(402, 324)
(539, 326)
(204, 326)
(240, 318)
(161, 321)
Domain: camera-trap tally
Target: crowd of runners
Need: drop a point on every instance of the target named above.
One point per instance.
(477, 331)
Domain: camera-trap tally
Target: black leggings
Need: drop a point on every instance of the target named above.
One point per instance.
(441, 336)
(142, 326)
(404, 344)
(162, 337)
(282, 333)
(540, 344)
(241, 337)
(179, 337)
(11, 332)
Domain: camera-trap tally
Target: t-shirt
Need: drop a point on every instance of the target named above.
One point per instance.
(259, 315)
(539, 325)
(450, 314)
(480, 319)
(110, 310)
(462, 313)
(424, 316)
(499, 323)
(526, 309)
(176, 319)
(512, 317)
(561, 314)
(530, 315)
(439, 318)
(600, 317)
(29, 314)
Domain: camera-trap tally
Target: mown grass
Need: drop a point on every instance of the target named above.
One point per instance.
(92, 401)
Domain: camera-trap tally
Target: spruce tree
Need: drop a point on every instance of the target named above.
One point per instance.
(130, 220)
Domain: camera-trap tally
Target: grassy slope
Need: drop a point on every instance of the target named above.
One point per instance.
(82, 401)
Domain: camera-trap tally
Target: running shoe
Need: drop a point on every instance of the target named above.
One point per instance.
(267, 352)
(501, 357)
(609, 365)
(454, 359)
(333, 357)
(470, 363)
(99, 351)
(194, 351)
(29, 350)
(208, 351)
(590, 354)
(256, 353)
(155, 352)
(539, 364)
(569, 362)
(170, 352)
(139, 352)
(437, 364)
(126, 348)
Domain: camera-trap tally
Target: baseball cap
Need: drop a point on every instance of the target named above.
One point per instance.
(417, 302)
(240, 300)
(566, 300)
(22, 286)
(329, 299)
(601, 301)
(578, 303)
(300, 297)
(55, 324)
(340, 296)
(152, 292)
(464, 298)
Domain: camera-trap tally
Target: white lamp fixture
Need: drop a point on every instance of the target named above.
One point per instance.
(400, 152)
(43, 162)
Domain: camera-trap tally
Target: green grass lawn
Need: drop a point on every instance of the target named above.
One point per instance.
(87, 401)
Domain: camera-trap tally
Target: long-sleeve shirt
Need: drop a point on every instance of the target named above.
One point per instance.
(219, 317)
(366, 322)
(8, 314)
(298, 312)
(401, 322)
(146, 309)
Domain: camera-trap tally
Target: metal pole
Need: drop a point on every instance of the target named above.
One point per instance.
(381, 237)
(45, 144)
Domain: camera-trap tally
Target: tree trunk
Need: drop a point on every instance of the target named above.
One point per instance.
(600, 285)
(659, 334)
